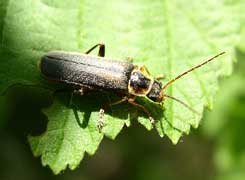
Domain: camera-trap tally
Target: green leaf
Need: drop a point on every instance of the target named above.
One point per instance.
(168, 37)
(65, 142)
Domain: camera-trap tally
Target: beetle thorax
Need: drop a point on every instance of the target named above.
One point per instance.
(142, 84)
(139, 84)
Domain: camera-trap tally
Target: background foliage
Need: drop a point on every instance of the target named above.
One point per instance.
(158, 32)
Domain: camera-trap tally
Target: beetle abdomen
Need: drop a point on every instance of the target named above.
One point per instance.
(82, 69)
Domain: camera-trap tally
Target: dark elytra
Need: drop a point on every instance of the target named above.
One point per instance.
(81, 69)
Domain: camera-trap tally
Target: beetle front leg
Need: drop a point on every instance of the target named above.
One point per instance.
(159, 77)
(132, 101)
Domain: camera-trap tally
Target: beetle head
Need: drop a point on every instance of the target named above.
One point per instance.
(156, 93)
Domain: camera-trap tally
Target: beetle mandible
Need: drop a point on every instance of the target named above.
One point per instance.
(97, 72)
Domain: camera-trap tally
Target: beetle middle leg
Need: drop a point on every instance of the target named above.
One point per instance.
(82, 90)
(101, 119)
(144, 69)
(101, 52)
(102, 112)
(129, 59)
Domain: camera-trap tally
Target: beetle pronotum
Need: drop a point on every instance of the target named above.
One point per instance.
(96, 72)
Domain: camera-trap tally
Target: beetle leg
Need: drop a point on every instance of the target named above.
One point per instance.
(80, 91)
(120, 101)
(101, 119)
(144, 70)
(159, 77)
(129, 59)
(84, 89)
(101, 52)
(102, 112)
(131, 101)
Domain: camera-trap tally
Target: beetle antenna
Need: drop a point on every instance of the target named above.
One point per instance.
(186, 72)
(184, 104)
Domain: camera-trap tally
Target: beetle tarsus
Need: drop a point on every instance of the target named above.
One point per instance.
(80, 91)
(152, 120)
(101, 119)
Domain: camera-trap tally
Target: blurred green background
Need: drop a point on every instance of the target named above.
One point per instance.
(216, 150)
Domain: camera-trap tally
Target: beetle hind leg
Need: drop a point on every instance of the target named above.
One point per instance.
(101, 52)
